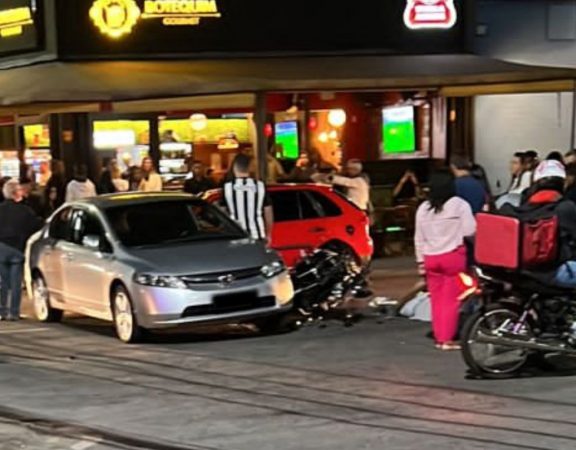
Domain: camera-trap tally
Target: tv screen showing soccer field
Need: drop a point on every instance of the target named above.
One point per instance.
(398, 130)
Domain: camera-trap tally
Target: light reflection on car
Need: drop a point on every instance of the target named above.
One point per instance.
(152, 261)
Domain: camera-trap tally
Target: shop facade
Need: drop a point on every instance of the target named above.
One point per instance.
(525, 32)
(390, 84)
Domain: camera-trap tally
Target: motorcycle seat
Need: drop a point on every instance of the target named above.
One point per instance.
(530, 281)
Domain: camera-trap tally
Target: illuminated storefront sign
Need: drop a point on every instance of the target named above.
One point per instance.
(429, 14)
(13, 21)
(116, 18)
(180, 12)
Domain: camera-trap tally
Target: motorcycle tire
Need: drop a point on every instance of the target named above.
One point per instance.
(477, 367)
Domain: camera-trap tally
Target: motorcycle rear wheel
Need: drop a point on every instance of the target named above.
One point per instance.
(491, 360)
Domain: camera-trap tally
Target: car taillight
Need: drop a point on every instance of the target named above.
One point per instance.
(468, 285)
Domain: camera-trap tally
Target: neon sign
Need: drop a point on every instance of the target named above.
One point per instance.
(116, 18)
(13, 21)
(180, 12)
(430, 14)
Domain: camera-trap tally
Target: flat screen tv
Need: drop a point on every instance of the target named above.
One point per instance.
(398, 131)
(287, 139)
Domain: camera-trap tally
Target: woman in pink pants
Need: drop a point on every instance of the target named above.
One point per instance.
(442, 223)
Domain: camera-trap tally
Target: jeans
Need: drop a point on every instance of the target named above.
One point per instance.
(11, 271)
(442, 277)
(566, 274)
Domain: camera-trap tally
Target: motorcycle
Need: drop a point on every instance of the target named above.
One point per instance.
(518, 319)
(323, 282)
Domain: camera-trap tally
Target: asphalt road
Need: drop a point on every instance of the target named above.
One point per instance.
(377, 385)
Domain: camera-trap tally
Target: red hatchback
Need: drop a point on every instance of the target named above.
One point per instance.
(308, 217)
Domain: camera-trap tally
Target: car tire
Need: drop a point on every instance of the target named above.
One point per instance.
(125, 321)
(41, 299)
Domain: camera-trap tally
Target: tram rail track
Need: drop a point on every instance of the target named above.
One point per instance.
(56, 354)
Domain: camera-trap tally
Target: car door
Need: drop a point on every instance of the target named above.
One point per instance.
(87, 263)
(52, 256)
(297, 229)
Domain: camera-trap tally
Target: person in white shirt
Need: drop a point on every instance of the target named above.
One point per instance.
(80, 187)
(152, 182)
(356, 183)
(521, 179)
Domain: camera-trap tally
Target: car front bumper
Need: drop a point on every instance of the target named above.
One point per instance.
(158, 308)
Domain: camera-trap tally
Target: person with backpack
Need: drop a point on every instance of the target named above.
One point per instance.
(546, 199)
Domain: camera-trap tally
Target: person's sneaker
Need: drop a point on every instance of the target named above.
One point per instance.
(3, 318)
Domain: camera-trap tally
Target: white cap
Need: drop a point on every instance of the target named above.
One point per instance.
(549, 169)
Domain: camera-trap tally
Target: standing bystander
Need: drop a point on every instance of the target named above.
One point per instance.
(198, 182)
(152, 181)
(442, 224)
(247, 201)
(467, 187)
(80, 187)
(55, 189)
(355, 181)
(18, 223)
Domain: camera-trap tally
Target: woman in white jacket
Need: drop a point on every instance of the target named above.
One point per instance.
(80, 187)
(152, 182)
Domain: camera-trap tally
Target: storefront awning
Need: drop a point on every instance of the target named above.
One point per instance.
(82, 85)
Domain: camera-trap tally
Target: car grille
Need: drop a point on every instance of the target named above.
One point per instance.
(227, 304)
(214, 278)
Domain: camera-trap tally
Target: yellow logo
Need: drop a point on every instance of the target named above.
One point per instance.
(115, 18)
(13, 21)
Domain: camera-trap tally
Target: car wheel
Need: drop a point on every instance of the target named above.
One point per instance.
(125, 322)
(41, 298)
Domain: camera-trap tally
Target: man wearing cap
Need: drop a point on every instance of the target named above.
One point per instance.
(549, 179)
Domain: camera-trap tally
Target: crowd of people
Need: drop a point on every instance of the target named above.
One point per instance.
(446, 224)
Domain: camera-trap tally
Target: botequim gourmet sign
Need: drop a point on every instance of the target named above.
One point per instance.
(116, 18)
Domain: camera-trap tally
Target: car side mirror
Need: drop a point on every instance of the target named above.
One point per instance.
(91, 241)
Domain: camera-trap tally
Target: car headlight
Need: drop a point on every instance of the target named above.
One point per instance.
(273, 269)
(163, 281)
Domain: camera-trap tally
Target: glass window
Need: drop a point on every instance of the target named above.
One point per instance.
(310, 209)
(84, 224)
(174, 222)
(126, 140)
(286, 206)
(328, 207)
(60, 225)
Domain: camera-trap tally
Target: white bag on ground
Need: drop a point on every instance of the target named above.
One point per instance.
(418, 308)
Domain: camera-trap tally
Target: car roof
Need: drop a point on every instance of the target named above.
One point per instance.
(299, 186)
(134, 198)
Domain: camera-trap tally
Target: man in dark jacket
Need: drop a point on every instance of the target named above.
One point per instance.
(198, 181)
(17, 225)
(548, 188)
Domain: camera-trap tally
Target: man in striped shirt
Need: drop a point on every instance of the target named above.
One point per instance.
(247, 201)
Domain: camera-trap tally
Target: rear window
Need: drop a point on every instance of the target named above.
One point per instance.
(166, 223)
(327, 206)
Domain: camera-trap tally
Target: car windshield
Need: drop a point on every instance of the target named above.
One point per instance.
(166, 223)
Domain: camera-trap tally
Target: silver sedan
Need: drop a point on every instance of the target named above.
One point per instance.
(151, 261)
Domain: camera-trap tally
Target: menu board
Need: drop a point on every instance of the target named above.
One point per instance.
(19, 26)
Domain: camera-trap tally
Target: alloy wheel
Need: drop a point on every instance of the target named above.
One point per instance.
(41, 300)
(123, 317)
